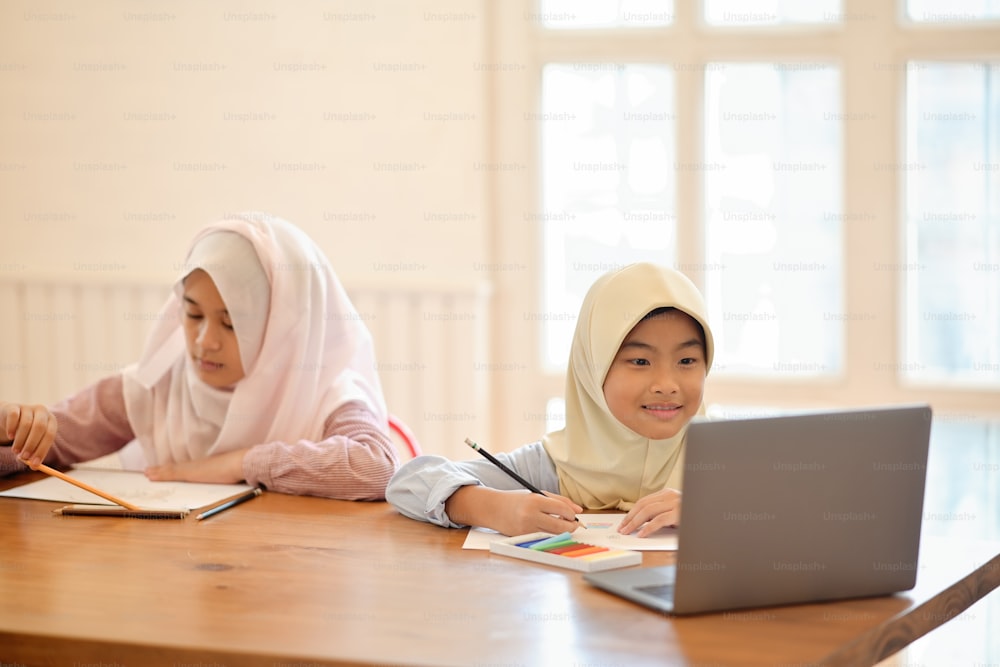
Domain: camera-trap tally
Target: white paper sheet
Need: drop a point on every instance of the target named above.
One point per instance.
(597, 529)
(132, 487)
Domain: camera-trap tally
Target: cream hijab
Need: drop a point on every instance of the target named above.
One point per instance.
(602, 464)
(305, 350)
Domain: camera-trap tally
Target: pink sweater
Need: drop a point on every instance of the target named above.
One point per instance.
(354, 461)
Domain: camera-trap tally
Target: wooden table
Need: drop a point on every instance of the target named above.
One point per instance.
(291, 581)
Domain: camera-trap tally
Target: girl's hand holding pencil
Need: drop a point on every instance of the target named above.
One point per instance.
(31, 430)
(530, 512)
(512, 512)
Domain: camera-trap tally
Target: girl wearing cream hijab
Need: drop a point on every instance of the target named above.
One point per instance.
(258, 368)
(636, 377)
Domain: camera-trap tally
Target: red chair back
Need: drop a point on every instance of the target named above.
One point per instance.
(403, 432)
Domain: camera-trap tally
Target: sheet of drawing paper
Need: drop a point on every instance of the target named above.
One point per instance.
(597, 529)
(132, 487)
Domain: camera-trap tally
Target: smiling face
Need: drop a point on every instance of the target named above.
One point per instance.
(208, 332)
(656, 381)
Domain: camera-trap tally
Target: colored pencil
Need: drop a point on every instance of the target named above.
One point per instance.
(252, 493)
(86, 487)
(104, 510)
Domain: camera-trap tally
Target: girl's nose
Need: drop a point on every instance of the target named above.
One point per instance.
(208, 338)
(665, 382)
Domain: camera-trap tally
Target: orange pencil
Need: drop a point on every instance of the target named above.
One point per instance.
(86, 487)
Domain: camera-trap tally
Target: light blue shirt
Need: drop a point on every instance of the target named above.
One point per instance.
(421, 486)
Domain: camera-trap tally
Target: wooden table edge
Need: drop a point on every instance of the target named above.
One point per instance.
(900, 631)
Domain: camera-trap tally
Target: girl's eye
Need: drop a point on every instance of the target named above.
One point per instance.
(193, 316)
(687, 361)
(640, 362)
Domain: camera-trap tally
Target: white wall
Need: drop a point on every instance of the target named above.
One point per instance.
(127, 125)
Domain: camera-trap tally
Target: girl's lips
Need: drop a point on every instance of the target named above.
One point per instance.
(662, 412)
(208, 366)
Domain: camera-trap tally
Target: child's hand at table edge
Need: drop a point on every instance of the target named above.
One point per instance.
(31, 428)
(219, 469)
(513, 512)
(650, 513)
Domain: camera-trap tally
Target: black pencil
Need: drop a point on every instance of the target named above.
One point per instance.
(489, 457)
(520, 480)
(252, 493)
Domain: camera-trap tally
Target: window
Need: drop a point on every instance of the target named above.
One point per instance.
(952, 269)
(952, 11)
(583, 14)
(770, 12)
(772, 174)
(608, 160)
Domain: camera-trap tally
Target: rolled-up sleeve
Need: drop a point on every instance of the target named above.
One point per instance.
(353, 461)
(420, 488)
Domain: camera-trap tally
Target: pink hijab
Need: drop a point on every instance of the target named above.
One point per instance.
(305, 350)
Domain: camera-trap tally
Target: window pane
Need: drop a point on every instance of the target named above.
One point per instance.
(952, 172)
(963, 497)
(773, 217)
(952, 11)
(555, 414)
(583, 14)
(771, 12)
(608, 187)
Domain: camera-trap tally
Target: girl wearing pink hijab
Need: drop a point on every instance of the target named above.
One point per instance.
(258, 369)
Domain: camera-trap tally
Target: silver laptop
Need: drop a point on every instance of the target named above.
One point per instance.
(792, 509)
